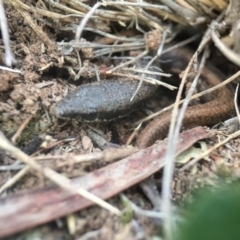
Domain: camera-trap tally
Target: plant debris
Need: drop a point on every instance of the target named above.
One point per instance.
(49, 48)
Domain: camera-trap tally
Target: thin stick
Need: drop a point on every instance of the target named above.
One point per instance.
(5, 35)
(236, 104)
(146, 79)
(147, 72)
(206, 153)
(169, 159)
(141, 55)
(225, 50)
(164, 35)
(109, 35)
(137, 4)
(172, 142)
(132, 136)
(59, 179)
(209, 90)
(20, 129)
(85, 20)
(14, 179)
(190, 92)
(10, 70)
(195, 160)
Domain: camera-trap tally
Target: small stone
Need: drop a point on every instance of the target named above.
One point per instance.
(86, 143)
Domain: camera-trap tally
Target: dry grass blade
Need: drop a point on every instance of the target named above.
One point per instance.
(230, 137)
(68, 159)
(101, 182)
(173, 137)
(22, 9)
(195, 96)
(206, 153)
(59, 179)
(14, 179)
(226, 51)
(4, 29)
(58, 42)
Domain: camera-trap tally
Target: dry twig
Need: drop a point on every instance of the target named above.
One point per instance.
(58, 179)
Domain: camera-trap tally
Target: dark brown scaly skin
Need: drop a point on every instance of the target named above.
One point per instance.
(103, 100)
(210, 113)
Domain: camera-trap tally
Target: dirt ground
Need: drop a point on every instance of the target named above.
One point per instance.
(47, 75)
